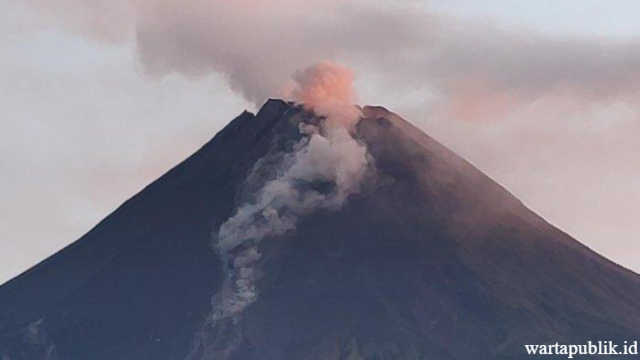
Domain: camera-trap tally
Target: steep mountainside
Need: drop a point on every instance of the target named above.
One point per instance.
(431, 259)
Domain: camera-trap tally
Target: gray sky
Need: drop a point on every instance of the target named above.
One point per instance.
(99, 100)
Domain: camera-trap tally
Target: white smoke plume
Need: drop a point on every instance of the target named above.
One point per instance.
(326, 153)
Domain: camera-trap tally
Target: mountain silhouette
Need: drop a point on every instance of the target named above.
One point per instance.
(430, 259)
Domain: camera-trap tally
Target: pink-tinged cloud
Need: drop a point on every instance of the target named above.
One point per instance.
(328, 89)
(472, 99)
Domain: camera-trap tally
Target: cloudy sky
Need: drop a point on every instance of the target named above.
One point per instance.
(101, 97)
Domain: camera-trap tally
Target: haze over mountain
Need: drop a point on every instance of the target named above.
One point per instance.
(548, 109)
(302, 232)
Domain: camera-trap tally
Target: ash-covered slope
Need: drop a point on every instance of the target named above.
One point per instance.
(429, 259)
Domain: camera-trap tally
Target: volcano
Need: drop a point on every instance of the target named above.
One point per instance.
(428, 259)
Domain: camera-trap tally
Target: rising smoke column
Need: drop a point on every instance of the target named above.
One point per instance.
(326, 153)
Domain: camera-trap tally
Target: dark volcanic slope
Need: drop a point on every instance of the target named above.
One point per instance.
(432, 261)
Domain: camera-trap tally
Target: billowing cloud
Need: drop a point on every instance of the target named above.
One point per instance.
(257, 44)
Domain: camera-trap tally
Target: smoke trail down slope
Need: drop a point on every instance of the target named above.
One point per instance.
(327, 153)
